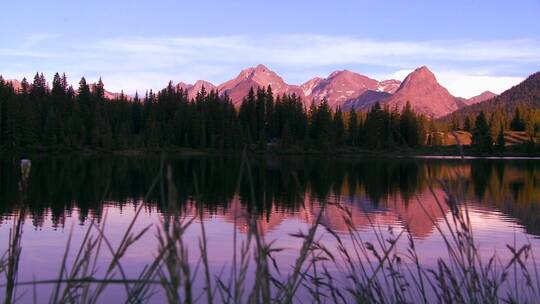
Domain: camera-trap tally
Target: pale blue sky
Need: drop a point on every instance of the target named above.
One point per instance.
(471, 45)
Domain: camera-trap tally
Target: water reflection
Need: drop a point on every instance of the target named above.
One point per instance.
(381, 191)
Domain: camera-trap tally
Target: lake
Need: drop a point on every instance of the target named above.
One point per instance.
(377, 199)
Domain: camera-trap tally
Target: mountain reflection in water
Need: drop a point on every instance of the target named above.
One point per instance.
(376, 191)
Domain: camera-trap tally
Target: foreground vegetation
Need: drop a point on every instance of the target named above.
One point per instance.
(378, 272)
(39, 118)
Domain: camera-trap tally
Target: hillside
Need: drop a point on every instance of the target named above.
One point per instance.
(525, 94)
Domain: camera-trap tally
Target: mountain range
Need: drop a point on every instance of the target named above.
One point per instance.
(342, 89)
(349, 90)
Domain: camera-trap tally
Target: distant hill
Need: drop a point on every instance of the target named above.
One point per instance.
(109, 95)
(15, 83)
(365, 101)
(480, 98)
(526, 94)
(193, 89)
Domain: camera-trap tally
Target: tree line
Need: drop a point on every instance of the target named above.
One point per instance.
(514, 112)
(488, 128)
(38, 116)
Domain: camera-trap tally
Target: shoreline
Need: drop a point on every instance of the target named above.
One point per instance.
(422, 153)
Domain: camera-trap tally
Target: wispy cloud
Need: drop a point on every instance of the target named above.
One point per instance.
(325, 50)
(466, 67)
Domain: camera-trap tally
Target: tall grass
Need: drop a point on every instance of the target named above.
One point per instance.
(347, 269)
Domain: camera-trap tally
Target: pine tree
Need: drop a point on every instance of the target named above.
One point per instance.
(84, 90)
(467, 125)
(454, 123)
(248, 117)
(495, 122)
(106, 137)
(99, 91)
(136, 115)
(517, 123)
(86, 110)
(260, 105)
(352, 134)
(374, 127)
(270, 128)
(482, 139)
(338, 129)
(96, 132)
(322, 126)
(286, 137)
(38, 89)
(50, 132)
(58, 88)
(312, 121)
(500, 139)
(408, 126)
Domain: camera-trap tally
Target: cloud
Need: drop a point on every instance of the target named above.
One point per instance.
(36, 39)
(322, 50)
(464, 85)
(466, 67)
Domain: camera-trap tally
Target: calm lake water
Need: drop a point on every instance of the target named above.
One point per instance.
(65, 194)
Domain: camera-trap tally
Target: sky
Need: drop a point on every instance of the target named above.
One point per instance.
(470, 45)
